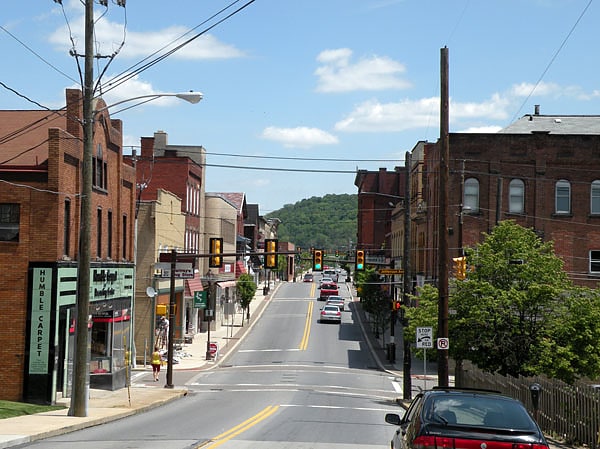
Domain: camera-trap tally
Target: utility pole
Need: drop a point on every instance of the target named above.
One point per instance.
(443, 220)
(79, 399)
(407, 278)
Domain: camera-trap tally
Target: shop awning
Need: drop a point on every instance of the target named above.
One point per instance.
(226, 284)
(193, 285)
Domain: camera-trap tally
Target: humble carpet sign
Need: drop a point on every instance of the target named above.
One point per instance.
(41, 306)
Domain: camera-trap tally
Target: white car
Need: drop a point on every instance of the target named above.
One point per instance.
(330, 313)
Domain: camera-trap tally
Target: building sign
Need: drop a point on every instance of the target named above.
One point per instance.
(183, 270)
(39, 342)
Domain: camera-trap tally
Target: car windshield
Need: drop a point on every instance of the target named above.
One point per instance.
(331, 309)
(478, 411)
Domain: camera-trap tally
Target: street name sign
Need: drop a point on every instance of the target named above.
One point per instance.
(390, 271)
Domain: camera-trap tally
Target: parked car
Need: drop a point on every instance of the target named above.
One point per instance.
(308, 277)
(330, 313)
(466, 418)
(335, 300)
(328, 289)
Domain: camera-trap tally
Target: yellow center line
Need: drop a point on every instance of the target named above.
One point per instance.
(242, 427)
(304, 342)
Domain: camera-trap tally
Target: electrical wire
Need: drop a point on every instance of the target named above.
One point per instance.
(552, 60)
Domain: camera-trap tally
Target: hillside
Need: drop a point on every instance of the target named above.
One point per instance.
(327, 222)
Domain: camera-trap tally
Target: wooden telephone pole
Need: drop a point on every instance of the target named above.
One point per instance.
(443, 220)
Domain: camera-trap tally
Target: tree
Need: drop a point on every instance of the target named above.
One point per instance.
(246, 289)
(374, 302)
(516, 313)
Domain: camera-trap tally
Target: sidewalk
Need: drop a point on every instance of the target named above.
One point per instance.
(105, 406)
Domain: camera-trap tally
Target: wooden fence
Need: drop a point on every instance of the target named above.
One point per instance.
(570, 413)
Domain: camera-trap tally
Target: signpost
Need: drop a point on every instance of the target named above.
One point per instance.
(425, 341)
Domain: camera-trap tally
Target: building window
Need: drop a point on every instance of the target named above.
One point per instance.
(563, 197)
(595, 198)
(67, 229)
(99, 234)
(516, 197)
(10, 217)
(124, 237)
(471, 195)
(109, 234)
(99, 169)
(595, 261)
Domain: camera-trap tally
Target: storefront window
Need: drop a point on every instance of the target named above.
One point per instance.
(110, 332)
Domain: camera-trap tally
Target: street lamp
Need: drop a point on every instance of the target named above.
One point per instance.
(78, 405)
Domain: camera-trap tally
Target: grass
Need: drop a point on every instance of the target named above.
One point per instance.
(9, 409)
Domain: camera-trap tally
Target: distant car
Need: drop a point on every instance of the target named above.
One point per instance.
(465, 418)
(335, 301)
(325, 280)
(328, 289)
(331, 274)
(308, 277)
(330, 313)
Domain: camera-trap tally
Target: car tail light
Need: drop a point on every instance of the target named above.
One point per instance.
(432, 442)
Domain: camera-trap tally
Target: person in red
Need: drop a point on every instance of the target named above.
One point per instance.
(156, 361)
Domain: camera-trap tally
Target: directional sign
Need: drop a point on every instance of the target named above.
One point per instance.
(425, 337)
(200, 300)
(390, 271)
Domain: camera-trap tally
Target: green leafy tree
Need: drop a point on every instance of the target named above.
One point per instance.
(373, 300)
(246, 289)
(516, 313)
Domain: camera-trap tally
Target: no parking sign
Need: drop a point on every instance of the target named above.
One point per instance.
(443, 343)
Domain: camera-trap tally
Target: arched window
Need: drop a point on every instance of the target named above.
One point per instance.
(595, 197)
(471, 195)
(516, 196)
(562, 197)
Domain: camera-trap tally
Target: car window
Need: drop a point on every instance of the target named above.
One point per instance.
(477, 410)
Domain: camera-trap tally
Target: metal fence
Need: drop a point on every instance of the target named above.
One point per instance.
(568, 412)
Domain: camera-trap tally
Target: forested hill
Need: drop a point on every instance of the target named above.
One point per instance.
(327, 222)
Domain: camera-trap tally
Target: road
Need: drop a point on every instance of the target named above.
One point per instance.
(292, 383)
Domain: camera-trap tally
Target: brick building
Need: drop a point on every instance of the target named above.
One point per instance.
(40, 169)
(378, 193)
(540, 171)
(178, 169)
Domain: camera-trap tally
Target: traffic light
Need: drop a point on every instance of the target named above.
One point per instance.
(215, 259)
(271, 253)
(318, 260)
(460, 267)
(360, 260)
(396, 305)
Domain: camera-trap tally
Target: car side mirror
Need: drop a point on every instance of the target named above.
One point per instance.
(393, 418)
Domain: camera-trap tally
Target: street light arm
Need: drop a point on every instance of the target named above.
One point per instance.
(190, 97)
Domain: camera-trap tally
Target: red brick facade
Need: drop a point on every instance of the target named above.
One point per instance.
(539, 161)
(41, 172)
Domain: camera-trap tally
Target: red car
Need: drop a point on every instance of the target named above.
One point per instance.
(328, 289)
(308, 277)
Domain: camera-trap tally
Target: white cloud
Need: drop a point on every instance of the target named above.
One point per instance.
(481, 129)
(338, 74)
(109, 36)
(299, 137)
(373, 116)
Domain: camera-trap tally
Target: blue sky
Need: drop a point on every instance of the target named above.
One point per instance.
(309, 90)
